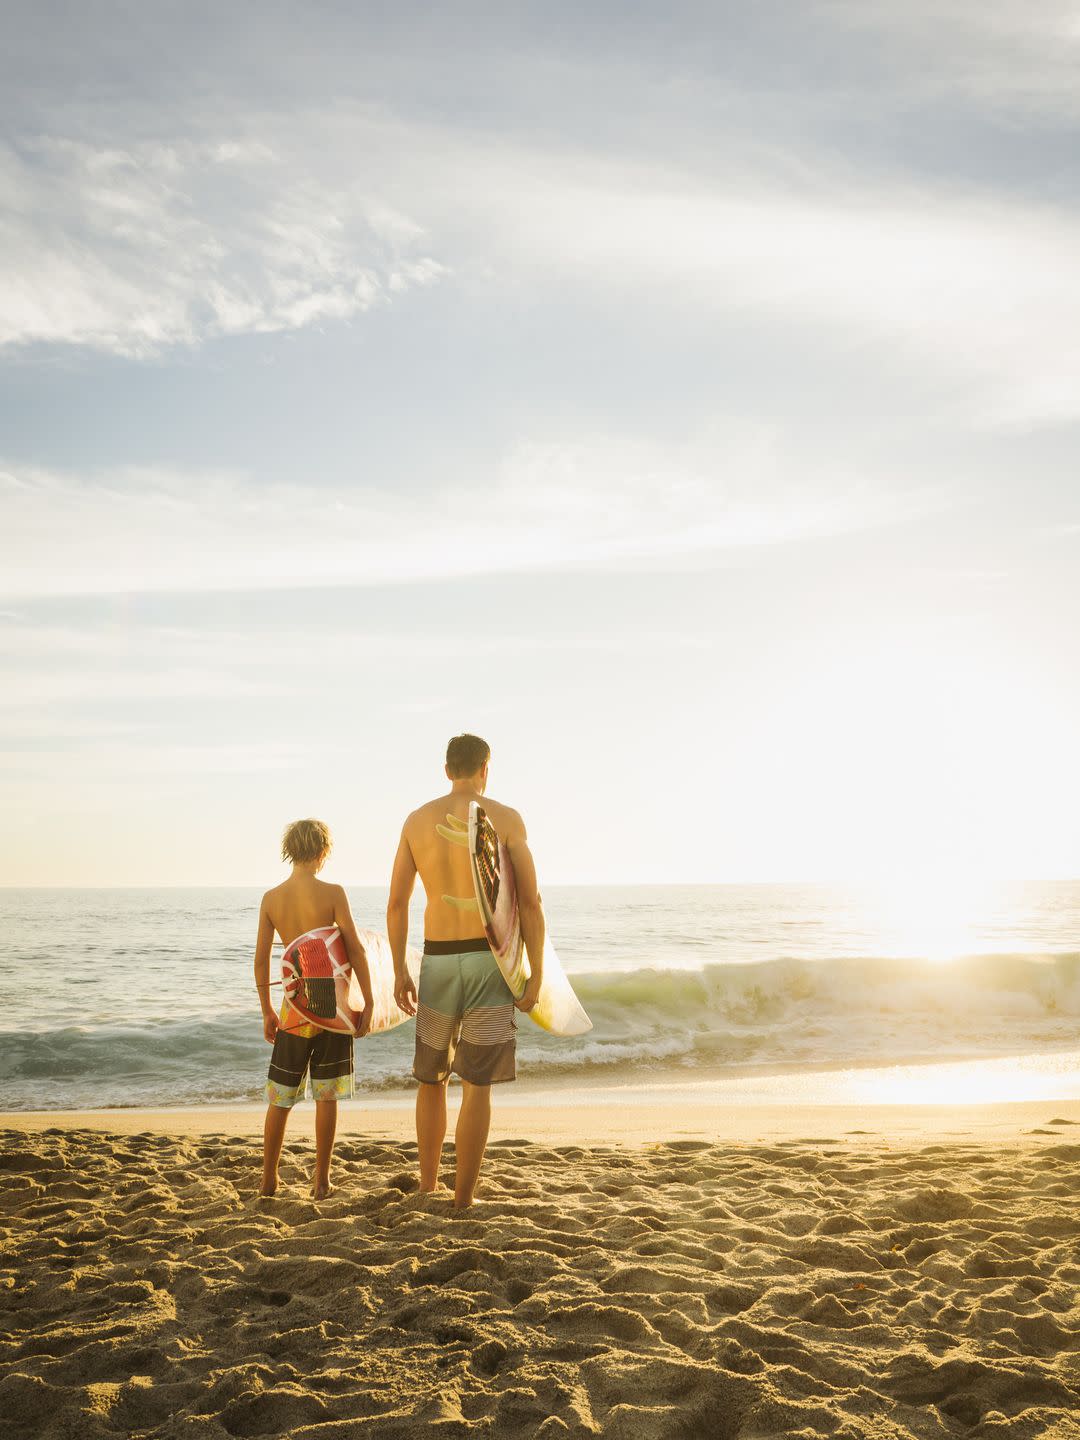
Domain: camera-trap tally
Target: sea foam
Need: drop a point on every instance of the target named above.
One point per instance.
(773, 1014)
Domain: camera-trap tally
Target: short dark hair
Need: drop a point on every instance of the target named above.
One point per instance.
(465, 755)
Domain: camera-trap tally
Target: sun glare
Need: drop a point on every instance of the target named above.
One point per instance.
(931, 917)
(975, 1082)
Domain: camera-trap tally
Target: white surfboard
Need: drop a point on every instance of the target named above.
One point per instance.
(557, 1008)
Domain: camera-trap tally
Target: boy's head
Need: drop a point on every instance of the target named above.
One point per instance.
(306, 842)
(466, 756)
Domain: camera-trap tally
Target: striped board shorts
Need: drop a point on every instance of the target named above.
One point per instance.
(466, 1021)
(326, 1055)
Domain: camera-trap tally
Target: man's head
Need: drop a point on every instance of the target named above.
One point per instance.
(467, 758)
(306, 842)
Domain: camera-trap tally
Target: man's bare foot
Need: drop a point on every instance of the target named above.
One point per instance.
(435, 1189)
(268, 1191)
(323, 1191)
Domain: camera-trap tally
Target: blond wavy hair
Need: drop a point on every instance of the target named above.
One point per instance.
(306, 840)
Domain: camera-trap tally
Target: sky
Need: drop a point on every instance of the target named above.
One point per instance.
(684, 397)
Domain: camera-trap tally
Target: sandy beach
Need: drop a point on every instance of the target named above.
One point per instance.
(799, 1272)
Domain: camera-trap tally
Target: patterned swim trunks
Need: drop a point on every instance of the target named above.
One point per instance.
(466, 1021)
(328, 1056)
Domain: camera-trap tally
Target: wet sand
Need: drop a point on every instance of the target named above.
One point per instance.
(828, 1271)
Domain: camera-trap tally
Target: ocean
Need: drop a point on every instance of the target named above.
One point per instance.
(140, 997)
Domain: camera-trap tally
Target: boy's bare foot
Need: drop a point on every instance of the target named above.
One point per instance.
(323, 1191)
(435, 1189)
(268, 1191)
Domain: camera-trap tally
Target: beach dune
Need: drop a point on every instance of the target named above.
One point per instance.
(839, 1285)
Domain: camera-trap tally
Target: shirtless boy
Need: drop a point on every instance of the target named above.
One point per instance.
(466, 1021)
(298, 904)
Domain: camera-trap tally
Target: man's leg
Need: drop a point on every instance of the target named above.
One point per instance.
(325, 1130)
(273, 1137)
(430, 1132)
(470, 1138)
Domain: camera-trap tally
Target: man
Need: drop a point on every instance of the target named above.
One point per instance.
(466, 1020)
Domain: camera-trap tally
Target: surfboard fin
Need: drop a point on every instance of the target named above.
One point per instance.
(460, 904)
(456, 837)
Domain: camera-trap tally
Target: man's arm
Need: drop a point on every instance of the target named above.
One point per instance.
(264, 943)
(530, 910)
(357, 955)
(402, 881)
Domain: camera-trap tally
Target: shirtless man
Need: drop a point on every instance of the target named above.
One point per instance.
(466, 1021)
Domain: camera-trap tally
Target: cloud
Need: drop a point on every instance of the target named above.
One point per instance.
(110, 760)
(956, 283)
(250, 219)
(335, 208)
(132, 248)
(1010, 54)
(588, 503)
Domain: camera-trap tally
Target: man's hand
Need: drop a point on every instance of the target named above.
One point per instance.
(364, 1025)
(530, 994)
(270, 1027)
(405, 993)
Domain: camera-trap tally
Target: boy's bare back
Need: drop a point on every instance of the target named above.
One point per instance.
(303, 902)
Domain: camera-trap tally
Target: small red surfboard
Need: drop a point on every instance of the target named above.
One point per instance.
(320, 988)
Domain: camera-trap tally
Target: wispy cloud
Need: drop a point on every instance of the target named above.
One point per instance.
(109, 760)
(132, 245)
(953, 281)
(1011, 54)
(584, 504)
(135, 246)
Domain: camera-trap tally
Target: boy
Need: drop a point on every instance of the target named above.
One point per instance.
(298, 904)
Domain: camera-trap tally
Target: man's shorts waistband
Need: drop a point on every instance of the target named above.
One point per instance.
(456, 947)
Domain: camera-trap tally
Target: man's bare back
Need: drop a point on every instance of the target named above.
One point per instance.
(444, 868)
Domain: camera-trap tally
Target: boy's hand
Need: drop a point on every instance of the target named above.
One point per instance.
(405, 993)
(529, 994)
(364, 1025)
(270, 1027)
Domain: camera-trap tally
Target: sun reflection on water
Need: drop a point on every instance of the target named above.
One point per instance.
(952, 1082)
(932, 917)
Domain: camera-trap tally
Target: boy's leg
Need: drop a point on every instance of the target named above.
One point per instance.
(325, 1130)
(430, 1131)
(470, 1139)
(285, 1080)
(273, 1137)
(331, 1079)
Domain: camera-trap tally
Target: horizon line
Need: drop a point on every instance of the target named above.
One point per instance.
(561, 884)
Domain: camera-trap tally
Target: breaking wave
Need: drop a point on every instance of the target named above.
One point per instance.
(775, 1014)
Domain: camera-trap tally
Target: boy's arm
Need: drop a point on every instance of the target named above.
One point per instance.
(402, 881)
(264, 943)
(530, 910)
(357, 955)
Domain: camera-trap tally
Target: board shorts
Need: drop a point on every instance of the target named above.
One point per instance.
(466, 1020)
(326, 1054)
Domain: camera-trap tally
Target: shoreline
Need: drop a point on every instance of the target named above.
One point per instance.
(610, 1120)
